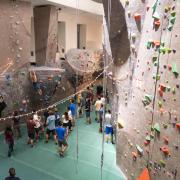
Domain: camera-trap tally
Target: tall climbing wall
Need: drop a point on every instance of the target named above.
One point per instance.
(145, 88)
(15, 36)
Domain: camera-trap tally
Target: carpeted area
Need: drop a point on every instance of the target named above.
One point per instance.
(43, 162)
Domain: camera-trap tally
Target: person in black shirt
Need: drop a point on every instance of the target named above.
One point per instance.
(88, 110)
(16, 124)
(12, 175)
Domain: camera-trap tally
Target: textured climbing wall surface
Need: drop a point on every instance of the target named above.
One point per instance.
(146, 89)
(15, 35)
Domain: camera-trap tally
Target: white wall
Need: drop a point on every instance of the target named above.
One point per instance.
(85, 5)
(93, 25)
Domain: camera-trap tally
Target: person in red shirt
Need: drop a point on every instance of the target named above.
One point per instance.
(31, 131)
(9, 138)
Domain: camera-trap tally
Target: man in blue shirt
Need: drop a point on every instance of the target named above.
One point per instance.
(62, 139)
(51, 126)
(72, 107)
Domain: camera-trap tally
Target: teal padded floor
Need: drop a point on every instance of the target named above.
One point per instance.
(43, 163)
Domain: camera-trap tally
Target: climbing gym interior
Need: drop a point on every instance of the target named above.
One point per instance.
(89, 89)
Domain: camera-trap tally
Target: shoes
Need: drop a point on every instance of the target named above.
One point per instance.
(61, 154)
(46, 142)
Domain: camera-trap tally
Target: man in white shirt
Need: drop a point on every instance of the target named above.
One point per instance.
(108, 126)
(97, 108)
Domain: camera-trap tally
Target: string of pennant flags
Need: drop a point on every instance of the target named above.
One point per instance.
(61, 101)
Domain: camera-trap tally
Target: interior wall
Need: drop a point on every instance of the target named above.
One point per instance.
(93, 28)
(62, 34)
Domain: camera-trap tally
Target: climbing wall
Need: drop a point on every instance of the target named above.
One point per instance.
(145, 88)
(15, 35)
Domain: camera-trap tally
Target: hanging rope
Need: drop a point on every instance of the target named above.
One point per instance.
(105, 85)
(156, 84)
(77, 135)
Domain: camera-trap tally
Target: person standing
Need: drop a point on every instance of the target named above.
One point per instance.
(31, 131)
(97, 108)
(37, 121)
(12, 175)
(88, 110)
(108, 126)
(9, 138)
(101, 114)
(51, 126)
(58, 117)
(72, 107)
(16, 124)
(62, 135)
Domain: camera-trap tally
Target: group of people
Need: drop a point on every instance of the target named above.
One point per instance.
(59, 126)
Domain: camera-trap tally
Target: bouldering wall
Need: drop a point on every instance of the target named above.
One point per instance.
(15, 35)
(145, 88)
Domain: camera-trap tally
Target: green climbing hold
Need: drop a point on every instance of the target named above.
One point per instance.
(172, 20)
(162, 44)
(157, 127)
(155, 7)
(159, 104)
(149, 43)
(174, 70)
(162, 50)
(170, 26)
(168, 88)
(168, 50)
(174, 91)
(155, 63)
(162, 163)
(147, 99)
(165, 126)
(173, 13)
(156, 16)
(148, 138)
(154, 58)
(158, 77)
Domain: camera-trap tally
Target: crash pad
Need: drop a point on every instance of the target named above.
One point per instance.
(144, 175)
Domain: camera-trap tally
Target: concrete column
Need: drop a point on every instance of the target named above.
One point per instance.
(45, 28)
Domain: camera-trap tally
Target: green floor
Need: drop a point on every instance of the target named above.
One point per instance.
(43, 163)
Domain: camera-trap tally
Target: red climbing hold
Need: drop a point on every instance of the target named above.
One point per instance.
(178, 125)
(160, 92)
(165, 150)
(137, 17)
(157, 23)
(144, 175)
(169, 66)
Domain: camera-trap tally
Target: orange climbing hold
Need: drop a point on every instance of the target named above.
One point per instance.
(134, 154)
(157, 43)
(165, 150)
(137, 17)
(144, 175)
(178, 125)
